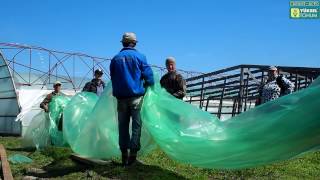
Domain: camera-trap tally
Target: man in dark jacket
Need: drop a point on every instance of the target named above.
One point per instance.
(173, 82)
(130, 73)
(96, 85)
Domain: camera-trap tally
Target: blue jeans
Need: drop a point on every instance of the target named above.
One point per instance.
(129, 108)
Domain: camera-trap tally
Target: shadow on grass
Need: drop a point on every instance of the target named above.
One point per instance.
(111, 170)
(57, 169)
(62, 165)
(22, 149)
(137, 171)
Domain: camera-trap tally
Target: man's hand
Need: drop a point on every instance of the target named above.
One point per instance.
(46, 109)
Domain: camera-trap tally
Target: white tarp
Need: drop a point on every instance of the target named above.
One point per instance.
(30, 100)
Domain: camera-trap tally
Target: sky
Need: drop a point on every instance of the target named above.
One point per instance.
(203, 35)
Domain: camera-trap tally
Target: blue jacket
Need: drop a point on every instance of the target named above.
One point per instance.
(129, 73)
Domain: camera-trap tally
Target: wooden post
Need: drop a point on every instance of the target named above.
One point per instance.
(6, 171)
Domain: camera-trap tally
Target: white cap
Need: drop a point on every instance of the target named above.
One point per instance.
(57, 83)
(272, 68)
(129, 37)
(170, 59)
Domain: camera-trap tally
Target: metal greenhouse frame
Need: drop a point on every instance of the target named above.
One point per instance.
(233, 90)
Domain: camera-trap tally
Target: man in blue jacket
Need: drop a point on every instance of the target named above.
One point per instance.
(130, 74)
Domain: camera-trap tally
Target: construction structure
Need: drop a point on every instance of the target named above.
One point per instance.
(230, 91)
(27, 74)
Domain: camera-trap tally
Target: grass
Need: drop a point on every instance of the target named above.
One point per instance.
(56, 164)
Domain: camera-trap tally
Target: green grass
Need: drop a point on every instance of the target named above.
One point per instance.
(57, 165)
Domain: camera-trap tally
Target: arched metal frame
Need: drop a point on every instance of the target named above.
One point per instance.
(21, 59)
(37, 68)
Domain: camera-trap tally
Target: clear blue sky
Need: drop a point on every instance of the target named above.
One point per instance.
(203, 35)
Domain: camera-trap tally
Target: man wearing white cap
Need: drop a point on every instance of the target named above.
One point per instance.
(173, 82)
(130, 74)
(45, 103)
(276, 86)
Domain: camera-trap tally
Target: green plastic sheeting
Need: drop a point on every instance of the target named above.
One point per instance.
(19, 159)
(37, 134)
(43, 129)
(277, 130)
(274, 131)
(91, 126)
(56, 106)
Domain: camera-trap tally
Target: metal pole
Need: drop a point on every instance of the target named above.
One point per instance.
(201, 94)
(296, 82)
(207, 104)
(49, 70)
(73, 69)
(30, 54)
(241, 91)
(221, 98)
(247, 91)
(234, 106)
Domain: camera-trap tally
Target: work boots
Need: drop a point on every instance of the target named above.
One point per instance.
(124, 157)
(132, 158)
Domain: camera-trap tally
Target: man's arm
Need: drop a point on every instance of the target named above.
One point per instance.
(181, 92)
(103, 84)
(161, 81)
(289, 86)
(86, 87)
(164, 82)
(146, 71)
(111, 69)
(45, 103)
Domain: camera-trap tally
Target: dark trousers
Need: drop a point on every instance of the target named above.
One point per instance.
(129, 109)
